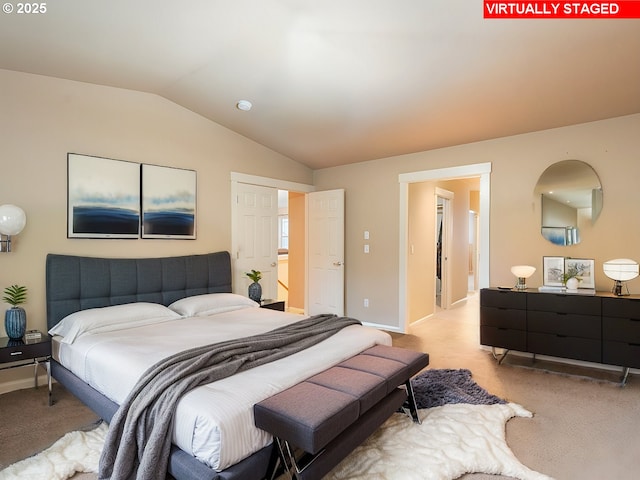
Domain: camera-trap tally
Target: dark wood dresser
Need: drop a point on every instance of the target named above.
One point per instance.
(600, 328)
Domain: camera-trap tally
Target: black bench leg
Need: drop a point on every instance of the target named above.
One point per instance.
(411, 402)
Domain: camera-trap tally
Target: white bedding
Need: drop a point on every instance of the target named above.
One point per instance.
(213, 422)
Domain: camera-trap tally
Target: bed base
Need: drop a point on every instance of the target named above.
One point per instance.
(182, 466)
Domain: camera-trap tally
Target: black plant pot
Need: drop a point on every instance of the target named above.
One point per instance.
(255, 292)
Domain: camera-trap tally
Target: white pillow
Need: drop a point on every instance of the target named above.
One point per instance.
(110, 318)
(210, 304)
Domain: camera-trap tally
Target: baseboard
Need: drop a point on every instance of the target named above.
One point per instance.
(380, 326)
(23, 383)
(457, 303)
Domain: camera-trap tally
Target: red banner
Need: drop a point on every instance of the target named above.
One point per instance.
(562, 9)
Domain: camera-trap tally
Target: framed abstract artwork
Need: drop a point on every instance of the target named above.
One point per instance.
(103, 197)
(553, 271)
(168, 202)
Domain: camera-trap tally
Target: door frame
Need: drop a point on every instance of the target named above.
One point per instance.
(263, 182)
(481, 170)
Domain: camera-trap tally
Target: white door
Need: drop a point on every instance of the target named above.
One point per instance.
(255, 237)
(444, 234)
(325, 259)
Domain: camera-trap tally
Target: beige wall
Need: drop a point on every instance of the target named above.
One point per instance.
(421, 282)
(42, 119)
(611, 147)
(296, 250)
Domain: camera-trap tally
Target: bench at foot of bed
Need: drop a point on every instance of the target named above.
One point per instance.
(318, 422)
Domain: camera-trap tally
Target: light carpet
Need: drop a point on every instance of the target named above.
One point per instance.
(74, 452)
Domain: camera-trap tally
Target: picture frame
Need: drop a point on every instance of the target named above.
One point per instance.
(168, 202)
(553, 271)
(583, 270)
(103, 197)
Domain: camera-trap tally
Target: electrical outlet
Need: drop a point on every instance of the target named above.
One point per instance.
(366, 302)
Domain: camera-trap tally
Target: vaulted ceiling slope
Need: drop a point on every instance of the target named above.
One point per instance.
(334, 81)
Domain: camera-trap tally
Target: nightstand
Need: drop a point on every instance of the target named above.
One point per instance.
(272, 304)
(19, 353)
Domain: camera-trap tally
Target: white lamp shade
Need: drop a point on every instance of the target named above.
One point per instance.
(12, 220)
(622, 269)
(523, 271)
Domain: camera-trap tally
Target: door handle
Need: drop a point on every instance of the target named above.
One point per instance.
(273, 264)
(337, 264)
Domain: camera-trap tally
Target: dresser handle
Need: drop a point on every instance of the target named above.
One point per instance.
(16, 353)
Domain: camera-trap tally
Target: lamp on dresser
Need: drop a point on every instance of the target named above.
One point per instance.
(522, 272)
(620, 270)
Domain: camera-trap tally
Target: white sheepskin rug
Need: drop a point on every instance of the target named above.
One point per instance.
(74, 452)
(452, 440)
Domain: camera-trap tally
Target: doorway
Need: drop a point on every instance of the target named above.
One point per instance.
(481, 172)
(291, 250)
(314, 235)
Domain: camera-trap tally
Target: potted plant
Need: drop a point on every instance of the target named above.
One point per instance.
(255, 289)
(15, 319)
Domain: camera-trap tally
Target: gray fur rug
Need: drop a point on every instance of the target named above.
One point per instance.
(434, 388)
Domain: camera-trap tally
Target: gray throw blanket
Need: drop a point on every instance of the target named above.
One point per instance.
(139, 438)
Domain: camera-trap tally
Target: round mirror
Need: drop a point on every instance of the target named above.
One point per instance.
(571, 201)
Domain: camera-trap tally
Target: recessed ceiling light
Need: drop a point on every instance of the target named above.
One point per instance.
(244, 105)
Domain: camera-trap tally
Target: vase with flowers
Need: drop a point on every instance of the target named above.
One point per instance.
(571, 278)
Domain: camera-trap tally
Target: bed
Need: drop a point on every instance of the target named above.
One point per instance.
(216, 442)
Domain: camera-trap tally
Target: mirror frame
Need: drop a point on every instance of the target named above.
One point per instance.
(565, 186)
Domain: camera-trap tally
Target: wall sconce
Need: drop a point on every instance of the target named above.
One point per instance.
(522, 272)
(620, 270)
(12, 221)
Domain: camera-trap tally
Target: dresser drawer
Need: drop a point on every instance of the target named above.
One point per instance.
(503, 317)
(503, 338)
(567, 347)
(568, 324)
(621, 329)
(551, 302)
(621, 307)
(621, 353)
(24, 352)
(503, 299)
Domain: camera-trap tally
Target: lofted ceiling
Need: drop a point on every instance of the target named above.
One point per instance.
(340, 81)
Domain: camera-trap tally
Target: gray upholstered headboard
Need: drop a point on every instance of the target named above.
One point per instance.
(77, 283)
